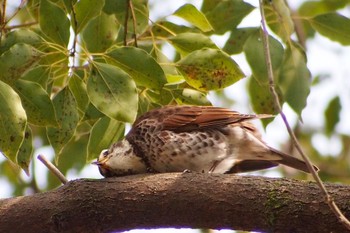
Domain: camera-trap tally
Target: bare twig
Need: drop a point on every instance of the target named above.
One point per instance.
(2, 19)
(74, 19)
(21, 25)
(130, 5)
(53, 169)
(126, 22)
(314, 174)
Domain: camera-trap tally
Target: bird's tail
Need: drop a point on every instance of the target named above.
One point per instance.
(291, 161)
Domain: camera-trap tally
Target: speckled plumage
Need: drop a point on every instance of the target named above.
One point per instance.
(195, 138)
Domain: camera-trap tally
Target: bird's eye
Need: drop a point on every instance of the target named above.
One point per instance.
(105, 153)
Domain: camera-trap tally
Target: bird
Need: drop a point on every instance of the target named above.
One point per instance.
(193, 138)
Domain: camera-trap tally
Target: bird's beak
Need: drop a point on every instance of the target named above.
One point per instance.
(96, 163)
(100, 162)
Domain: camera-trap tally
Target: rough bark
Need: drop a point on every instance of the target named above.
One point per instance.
(177, 200)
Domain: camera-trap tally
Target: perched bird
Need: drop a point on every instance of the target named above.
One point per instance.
(195, 138)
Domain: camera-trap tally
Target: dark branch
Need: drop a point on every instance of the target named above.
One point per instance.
(177, 200)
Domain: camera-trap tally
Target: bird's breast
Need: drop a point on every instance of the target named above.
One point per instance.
(195, 151)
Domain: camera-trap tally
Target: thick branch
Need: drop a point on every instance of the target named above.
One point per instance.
(176, 200)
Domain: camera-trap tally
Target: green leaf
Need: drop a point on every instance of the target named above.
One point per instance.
(54, 22)
(78, 89)
(26, 150)
(118, 8)
(192, 15)
(39, 75)
(92, 113)
(332, 115)
(333, 26)
(74, 153)
(190, 96)
(166, 29)
(313, 8)
(188, 42)
(104, 133)
(164, 97)
(237, 39)
(254, 52)
(13, 121)
(36, 102)
(16, 61)
(20, 36)
(67, 118)
(85, 10)
(295, 78)
(113, 92)
(226, 15)
(209, 69)
(262, 99)
(100, 33)
(279, 19)
(139, 65)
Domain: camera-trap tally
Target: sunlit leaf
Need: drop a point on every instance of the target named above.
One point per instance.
(139, 65)
(163, 97)
(313, 8)
(104, 133)
(278, 17)
(209, 69)
(13, 120)
(166, 29)
(190, 96)
(36, 102)
(332, 115)
(189, 42)
(192, 15)
(226, 15)
(295, 78)
(113, 92)
(333, 26)
(16, 61)
(67, 118)
(54, 22)
(100, 33)
(85, 10)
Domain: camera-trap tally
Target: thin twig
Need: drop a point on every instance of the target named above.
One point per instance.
(133, 20)
(314, 174)
(21, 25)
(73, 49)
(53, 169)
(2, 19)
(126, 22)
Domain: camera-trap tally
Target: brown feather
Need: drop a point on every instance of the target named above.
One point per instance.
(188, 118)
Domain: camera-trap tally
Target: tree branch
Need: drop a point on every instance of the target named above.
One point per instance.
(192, 200)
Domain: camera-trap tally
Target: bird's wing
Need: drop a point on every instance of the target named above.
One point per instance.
(187, 118)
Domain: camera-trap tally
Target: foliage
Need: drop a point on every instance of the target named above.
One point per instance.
(74, 72)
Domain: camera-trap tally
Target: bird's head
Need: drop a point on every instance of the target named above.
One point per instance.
(120, 160)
